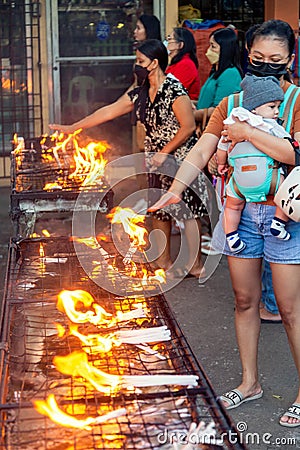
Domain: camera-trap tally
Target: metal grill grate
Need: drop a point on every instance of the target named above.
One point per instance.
(29, 334)
(39, 165)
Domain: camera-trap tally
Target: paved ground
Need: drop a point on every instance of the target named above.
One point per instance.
(205, 314)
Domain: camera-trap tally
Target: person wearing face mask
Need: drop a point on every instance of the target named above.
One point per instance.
(268, 309)
(183, 64)
(224, 79)
(253, 174)
(147, 27)
(226, 73)
(271, 54)
(162, 105)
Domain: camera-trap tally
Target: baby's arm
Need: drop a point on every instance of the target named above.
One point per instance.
(222, 161)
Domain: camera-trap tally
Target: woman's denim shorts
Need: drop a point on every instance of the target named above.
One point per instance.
(254, 231)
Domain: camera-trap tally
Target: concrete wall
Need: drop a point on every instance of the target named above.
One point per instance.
(171, 15)
(287, 10)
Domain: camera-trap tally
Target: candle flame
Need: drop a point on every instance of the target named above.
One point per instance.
(50, 408)
(76, 364)
(85, 166)
(11, 86)
(70, 301)
(94, 343)
(89, 162)
(129, 219)
(41, 251)
(159, 275)
(60, 330)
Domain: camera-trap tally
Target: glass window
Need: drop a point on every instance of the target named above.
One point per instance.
(90, 30)
(94, 28)
(87, 87)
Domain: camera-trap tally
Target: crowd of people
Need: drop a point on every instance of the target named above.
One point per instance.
(161, 99)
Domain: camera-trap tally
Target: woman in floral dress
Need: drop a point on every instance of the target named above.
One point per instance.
(162, 104)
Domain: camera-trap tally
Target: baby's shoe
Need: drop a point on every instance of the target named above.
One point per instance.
(278, 229)
(236, 245)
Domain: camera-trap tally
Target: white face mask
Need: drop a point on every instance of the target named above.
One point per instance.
(212, 56)
(165, 42)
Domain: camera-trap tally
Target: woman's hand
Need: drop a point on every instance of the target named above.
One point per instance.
(67, 129)
(158, 159)
(167, 199)
(237, 132)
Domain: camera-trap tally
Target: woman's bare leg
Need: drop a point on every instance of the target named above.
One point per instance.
(163, 242)
(193, 236)
(286, 282)
(246, 282)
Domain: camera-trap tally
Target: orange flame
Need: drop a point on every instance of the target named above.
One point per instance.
(86, 162)
(42, 265)
(11, 86)
(76, 364)
(18, 145)
(160, 276)
(51, 186)
(94, 343)
(88, 241)
(89, 162)
(132, 269)
(129, 219)
(68, 302)
(101, 237)
(50, 408)
(36, 235)
(42, 252)
(60, 330)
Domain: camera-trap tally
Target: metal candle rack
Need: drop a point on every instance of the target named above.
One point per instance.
(129, 416)
(35, 166)
(29, 342)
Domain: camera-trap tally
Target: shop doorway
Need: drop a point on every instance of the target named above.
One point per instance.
(92, 62)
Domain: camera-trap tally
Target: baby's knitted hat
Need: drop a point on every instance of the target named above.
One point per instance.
(260, 90)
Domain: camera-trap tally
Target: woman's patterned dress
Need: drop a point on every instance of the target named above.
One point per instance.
(161, 125)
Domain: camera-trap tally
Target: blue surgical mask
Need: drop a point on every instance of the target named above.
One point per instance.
(165, 42)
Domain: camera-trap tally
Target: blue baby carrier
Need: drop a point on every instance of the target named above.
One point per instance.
(254, 175)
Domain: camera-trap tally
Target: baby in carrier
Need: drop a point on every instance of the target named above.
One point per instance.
(254, 174)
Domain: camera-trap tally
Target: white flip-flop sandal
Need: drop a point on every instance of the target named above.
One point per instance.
(235, 398)
(294, 412)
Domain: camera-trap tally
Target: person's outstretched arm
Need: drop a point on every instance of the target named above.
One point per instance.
(196, 160)
(120, 107)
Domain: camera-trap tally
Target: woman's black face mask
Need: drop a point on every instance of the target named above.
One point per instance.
(262, 69)
(141, 73)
